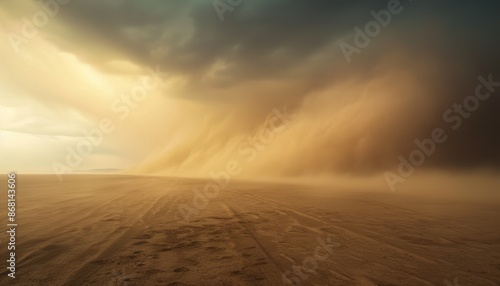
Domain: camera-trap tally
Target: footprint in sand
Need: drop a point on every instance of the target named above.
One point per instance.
(144, 236)
(141, 242)
(181, 269)
(214, 249)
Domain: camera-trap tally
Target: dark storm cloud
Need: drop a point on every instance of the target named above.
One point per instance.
(266, 38)
(188, 37)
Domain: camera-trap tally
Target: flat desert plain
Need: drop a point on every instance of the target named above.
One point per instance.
(128, 230)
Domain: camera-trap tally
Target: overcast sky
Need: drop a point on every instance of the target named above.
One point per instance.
(218, 76)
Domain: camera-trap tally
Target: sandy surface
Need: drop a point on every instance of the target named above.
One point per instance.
(119, 230)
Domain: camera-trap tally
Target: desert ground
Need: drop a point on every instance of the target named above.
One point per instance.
(128, 230)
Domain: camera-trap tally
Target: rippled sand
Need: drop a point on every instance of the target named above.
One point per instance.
(128, 230)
